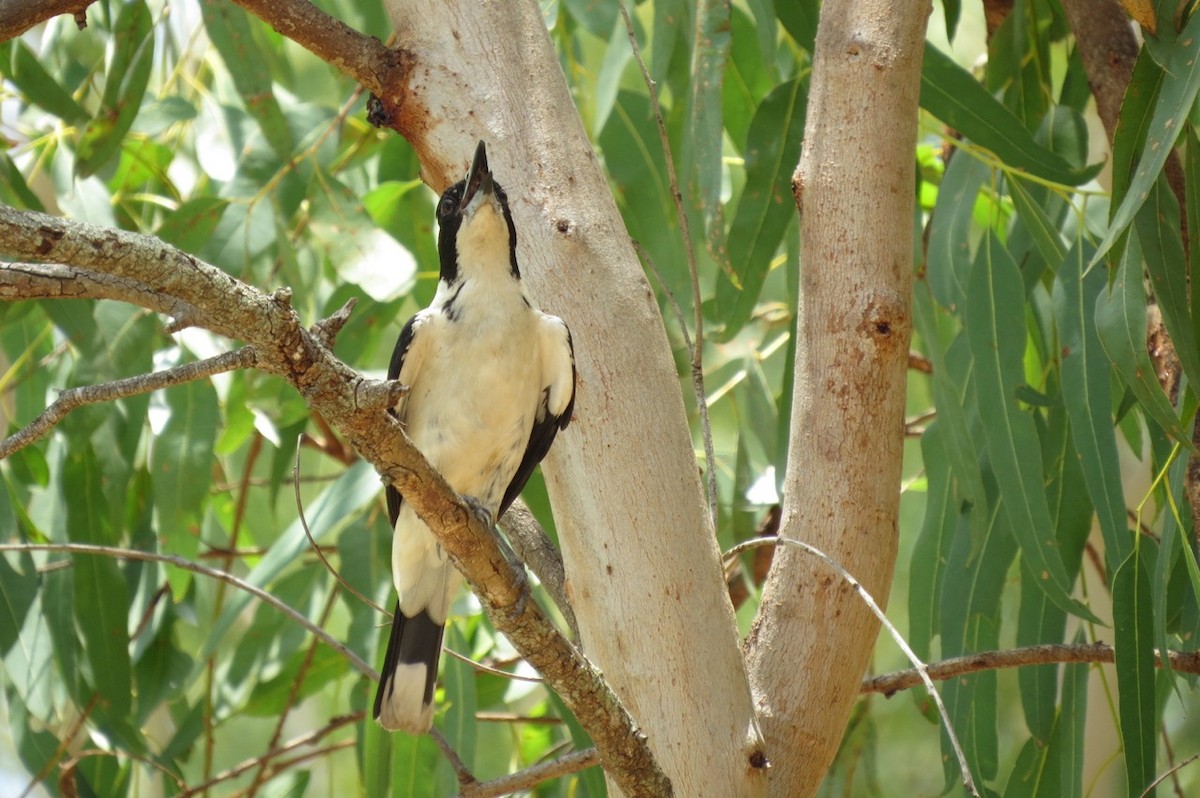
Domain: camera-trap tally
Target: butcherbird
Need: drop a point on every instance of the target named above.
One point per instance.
(491, 381)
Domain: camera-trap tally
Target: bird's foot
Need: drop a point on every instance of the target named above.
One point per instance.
(510, 556)
(482, 513)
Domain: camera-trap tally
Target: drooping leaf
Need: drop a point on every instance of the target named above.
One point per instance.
(1160, 119)
(766, 207)
(1133, 640)
(1121, 324)
(996, 331)
(124, 88)
(1087, 395)
(229, 30)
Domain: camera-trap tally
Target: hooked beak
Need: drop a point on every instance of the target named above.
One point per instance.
(479, 178)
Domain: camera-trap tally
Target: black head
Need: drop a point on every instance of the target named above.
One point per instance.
(467, 213)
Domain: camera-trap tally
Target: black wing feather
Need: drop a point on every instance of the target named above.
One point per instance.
(398, 354)
(540, 438)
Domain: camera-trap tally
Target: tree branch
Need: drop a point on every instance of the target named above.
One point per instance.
(534, 547)
(528, 778)
(1049, 654)
(59, 281)
(74, 398)
(379, 69)
(18, 16)
(354, 406)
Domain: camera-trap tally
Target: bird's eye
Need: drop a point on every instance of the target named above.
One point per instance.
(446, 206)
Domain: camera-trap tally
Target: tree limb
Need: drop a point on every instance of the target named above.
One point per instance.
(18, 16)
(525, 779)
(59, 281)
(1049, 654)
(354, 406)
(377, 67)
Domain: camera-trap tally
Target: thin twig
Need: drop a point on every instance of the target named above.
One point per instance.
(461, 771)
(479, 666)
(63, 743)
(1047, 654)
(312, 542)
(188, 565)
(968, 781)
(73, 398)
(693, 273)
(260, 775)
(291, 745)
(525, 779)
(1150, 788)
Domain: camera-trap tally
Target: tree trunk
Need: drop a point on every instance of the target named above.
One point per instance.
(642, 562)
(855, 189)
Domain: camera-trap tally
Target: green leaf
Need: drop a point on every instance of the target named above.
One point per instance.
(18, 591)
(457, 720)
(37, 85)
(414, 766)
(125, 86)
(1043, 232)
(995, 322)
(953, 95)
(274, 696)
(229, 30)
(1069, 732)
(181, 463)
(337, 506)
(14, 190)
(1133, 640)
(1121, 324)
(702, 144)
(948, 257)
(970, 608)
(766, 207)
(101, 596)
(1157, 225)
(1087, 394)
(799, 19)
(932, 547)
(1168, 112)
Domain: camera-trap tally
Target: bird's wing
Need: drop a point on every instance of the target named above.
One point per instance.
(407, 359)
(556, 404)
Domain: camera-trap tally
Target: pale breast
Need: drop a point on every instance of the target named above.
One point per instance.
(474, 406)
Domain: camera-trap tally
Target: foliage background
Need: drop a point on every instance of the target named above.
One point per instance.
(200, 125)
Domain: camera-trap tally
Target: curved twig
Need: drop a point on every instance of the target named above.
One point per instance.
(968, 781)
(188, 565)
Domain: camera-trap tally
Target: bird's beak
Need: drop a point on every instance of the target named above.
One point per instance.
(479, 178)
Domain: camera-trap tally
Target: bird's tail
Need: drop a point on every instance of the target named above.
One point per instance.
(404, 701)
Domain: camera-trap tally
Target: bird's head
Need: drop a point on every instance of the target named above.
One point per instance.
(477, 231)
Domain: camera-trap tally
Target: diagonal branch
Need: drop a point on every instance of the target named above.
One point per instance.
(355, 407)
(74, 398)
(18, 16)
(365, 58)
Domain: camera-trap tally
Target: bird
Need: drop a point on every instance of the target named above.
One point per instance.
(490, 382)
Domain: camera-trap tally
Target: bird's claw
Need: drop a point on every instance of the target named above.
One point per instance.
(518, 609)
(514, 562)
(482, 513)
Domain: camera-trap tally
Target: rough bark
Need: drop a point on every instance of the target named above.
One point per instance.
(18, 16)
(854, 186)
(642, 562)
